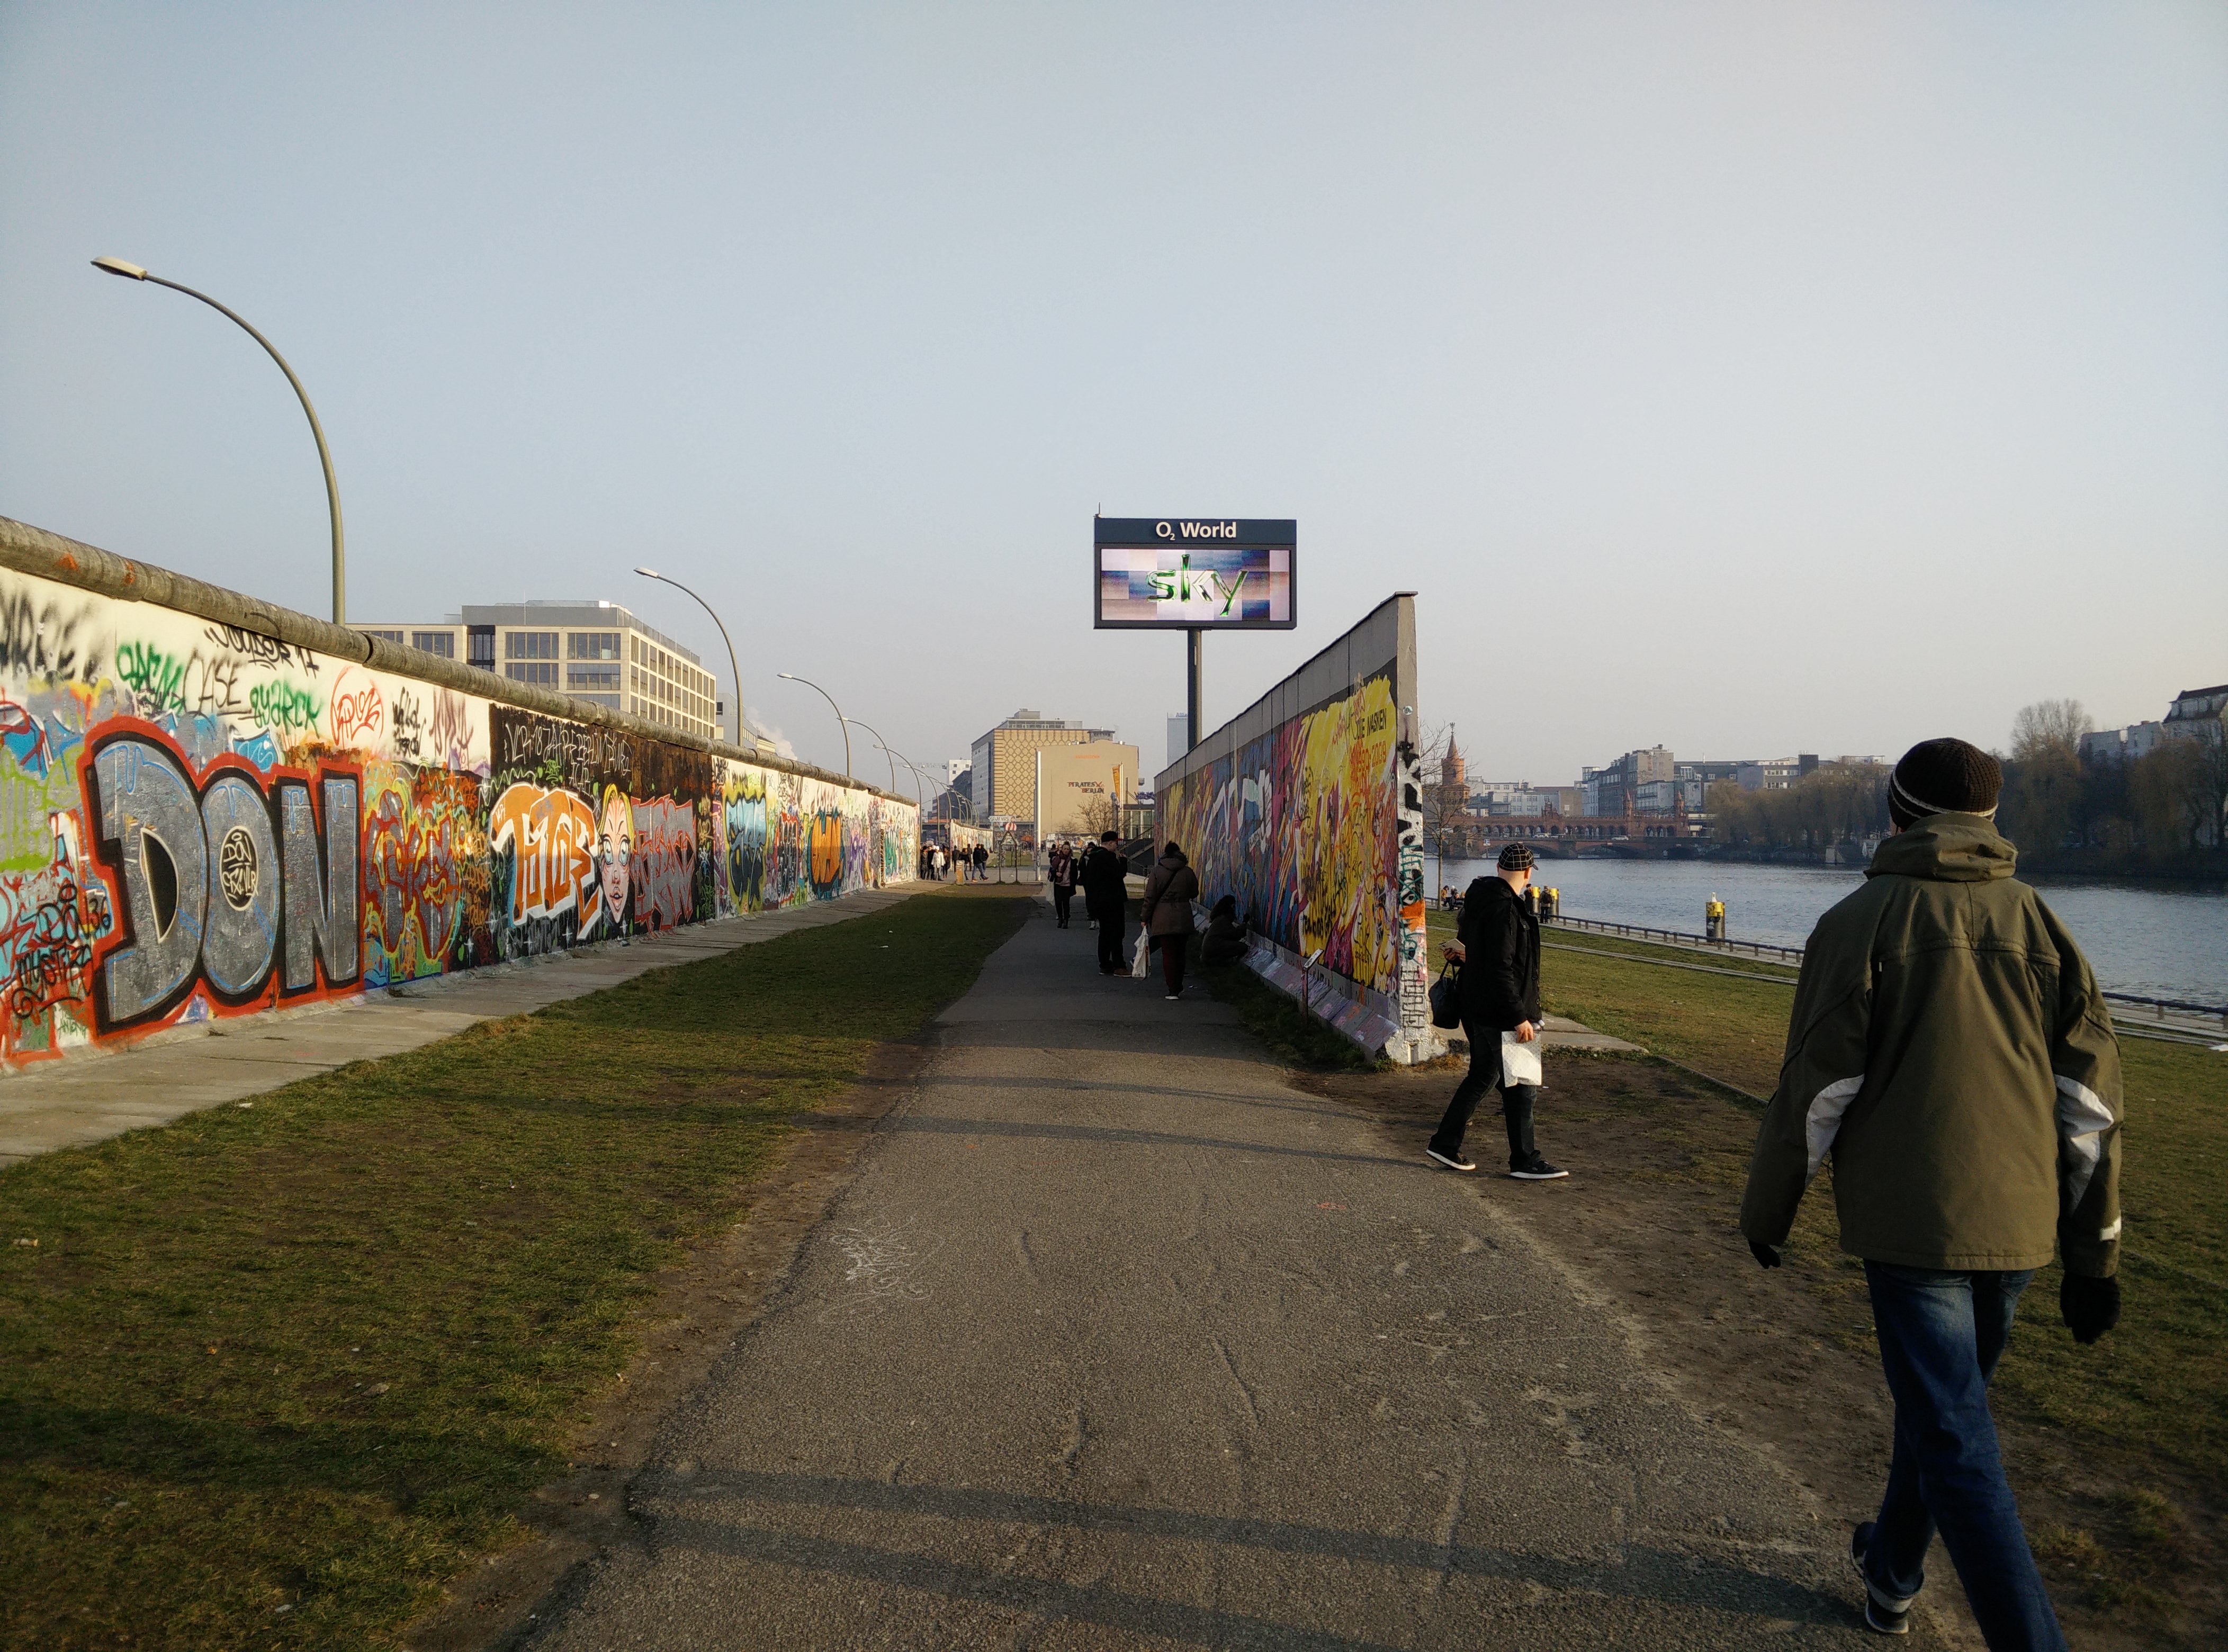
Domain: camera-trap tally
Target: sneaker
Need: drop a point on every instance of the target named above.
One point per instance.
(1536, 1169)
(1169, 996)
(1452, 1161)
(1883, 1613)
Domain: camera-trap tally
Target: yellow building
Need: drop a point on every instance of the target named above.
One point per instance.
(1081, 789)
(1005, 775)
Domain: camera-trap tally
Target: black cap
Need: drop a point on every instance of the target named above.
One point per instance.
(1516, 857)
(1943, 777)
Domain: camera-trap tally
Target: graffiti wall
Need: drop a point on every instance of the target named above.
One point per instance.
(1308, 809)
(198, 821)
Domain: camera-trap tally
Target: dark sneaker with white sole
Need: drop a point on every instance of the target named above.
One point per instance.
(1452, 1161)
(1537, 1169)
(1884, 1614)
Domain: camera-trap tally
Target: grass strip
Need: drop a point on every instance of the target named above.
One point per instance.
(2153, 1395)
(271, 1373)
(1296, 1039)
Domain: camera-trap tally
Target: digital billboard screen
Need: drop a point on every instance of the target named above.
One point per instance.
(1185, 572)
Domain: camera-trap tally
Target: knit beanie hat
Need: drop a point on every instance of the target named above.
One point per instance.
(1516, 857)
(1943, 777)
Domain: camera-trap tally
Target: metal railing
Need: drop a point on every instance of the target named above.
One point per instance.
(2160, 1008)
(1790, 954)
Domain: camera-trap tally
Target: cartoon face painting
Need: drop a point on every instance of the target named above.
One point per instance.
(615, 849)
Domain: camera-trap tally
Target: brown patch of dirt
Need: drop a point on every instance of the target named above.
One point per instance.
(700, 1308)
(1786, 1359)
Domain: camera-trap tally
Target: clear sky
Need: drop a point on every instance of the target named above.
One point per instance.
(1747, 378)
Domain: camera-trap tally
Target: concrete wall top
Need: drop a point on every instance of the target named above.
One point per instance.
(68, 561)
(1385, 637)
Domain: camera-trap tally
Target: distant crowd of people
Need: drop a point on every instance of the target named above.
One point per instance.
(971, 865)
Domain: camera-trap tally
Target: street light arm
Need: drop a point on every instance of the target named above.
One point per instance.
(885, 749)
(842, 721)
(735, 670)
(117, 266)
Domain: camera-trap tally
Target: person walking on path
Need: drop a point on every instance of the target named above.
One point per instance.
(1106, 896)
(1949, 1049)
(1169, 894)
(1498, 946)
(1061, 866)
(981, 861)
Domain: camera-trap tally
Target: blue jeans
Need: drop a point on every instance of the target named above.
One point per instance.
(1940, 1337)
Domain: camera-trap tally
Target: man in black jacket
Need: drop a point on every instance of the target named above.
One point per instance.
(1106, 897)
(1499, 950)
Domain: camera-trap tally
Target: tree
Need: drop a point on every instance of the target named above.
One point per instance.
(2050, 728)
(2046, 802)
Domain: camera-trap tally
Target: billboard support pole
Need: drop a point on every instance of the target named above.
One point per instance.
(1195, 691)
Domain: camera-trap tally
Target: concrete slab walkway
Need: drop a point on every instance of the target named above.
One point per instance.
(92, 1095)
(1117, 1341)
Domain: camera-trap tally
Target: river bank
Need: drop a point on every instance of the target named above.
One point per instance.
(2156, 940)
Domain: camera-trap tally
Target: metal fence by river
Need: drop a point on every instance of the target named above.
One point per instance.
(2152, 940)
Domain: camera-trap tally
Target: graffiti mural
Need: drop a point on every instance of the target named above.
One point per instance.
(1301, 826)
(198, 821)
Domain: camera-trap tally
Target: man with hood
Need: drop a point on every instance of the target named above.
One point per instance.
(1950, 1050)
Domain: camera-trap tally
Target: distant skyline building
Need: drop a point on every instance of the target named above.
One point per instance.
(596, 651)
(1004, 763)
(1178, 737)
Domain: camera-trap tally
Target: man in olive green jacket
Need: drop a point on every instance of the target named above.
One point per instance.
(1950, 1050)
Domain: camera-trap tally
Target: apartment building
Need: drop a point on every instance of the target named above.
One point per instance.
(596, 651)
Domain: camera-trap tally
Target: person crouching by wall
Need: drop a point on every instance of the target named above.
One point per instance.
(1169, 894)
(1499, 950)
(1225, 941)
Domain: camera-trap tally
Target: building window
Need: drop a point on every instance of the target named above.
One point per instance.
(441, 642)
(545, 675)
(395, 638)
(591, 645)
(531, 645)
(578, 677)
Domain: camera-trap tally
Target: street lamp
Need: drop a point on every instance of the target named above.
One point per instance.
(790, 676)
(652, 574)
(883, 749)
(134, 272)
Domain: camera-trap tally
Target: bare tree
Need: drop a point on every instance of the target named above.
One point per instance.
(1446, 797)
(2050, 728)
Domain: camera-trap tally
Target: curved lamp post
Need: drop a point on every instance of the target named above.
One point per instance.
(879, 746)
(790, 676)
(915, 767)
(134, 272)
(652, 574)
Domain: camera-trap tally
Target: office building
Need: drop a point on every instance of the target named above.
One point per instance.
(1004, 761)
(596, 651)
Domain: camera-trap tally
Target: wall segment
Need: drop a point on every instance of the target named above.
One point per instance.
(1307, 808)
(210, 806)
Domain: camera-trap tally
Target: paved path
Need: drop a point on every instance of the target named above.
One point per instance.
(90, 1095)
(1117, 1341)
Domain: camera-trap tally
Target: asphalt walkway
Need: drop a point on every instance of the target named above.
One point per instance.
(90, 1095)
(1116, 1340)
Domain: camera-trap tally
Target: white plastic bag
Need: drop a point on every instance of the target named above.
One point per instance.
(1143, 957)
(1519, 1063)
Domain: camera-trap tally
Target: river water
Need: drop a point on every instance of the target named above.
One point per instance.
(2160, 941)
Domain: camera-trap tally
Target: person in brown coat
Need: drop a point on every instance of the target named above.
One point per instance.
(1169, 894)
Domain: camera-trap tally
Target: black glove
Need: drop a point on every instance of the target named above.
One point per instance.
(2091, 1307)
(1765, 1256)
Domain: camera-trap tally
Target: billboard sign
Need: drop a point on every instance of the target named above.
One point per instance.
(1192, 573)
